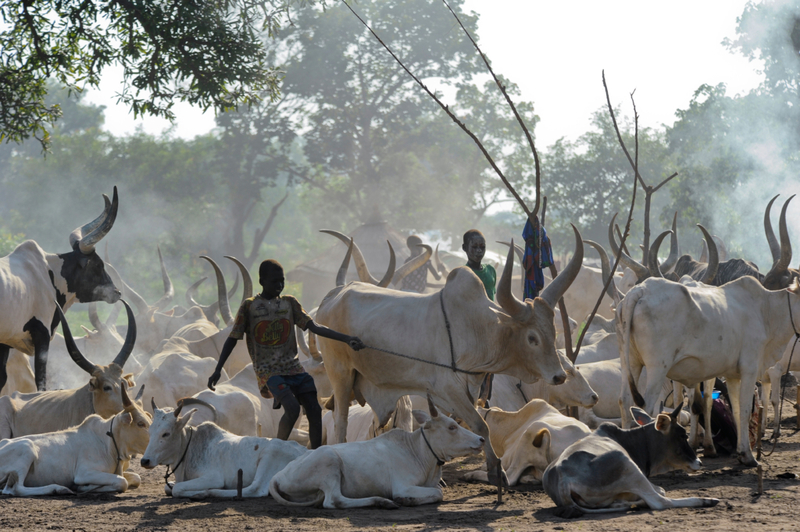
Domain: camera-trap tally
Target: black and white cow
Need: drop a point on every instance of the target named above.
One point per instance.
(32, 280)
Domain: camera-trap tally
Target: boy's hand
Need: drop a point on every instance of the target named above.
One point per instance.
(213, 380)
(355, 343)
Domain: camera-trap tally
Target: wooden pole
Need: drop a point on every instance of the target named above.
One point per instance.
(760, 472)
(499, 483)
(759, 433)
(239, 482)
(797, 407)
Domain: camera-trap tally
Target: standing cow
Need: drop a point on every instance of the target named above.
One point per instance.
(457, 327)
(32, 280)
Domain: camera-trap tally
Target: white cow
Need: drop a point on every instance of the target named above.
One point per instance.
(206, 458)
(32, 280)
(735, 331)
(508, 337)
(395, 469)
(91, 457)
(50, 411)
(529, 439)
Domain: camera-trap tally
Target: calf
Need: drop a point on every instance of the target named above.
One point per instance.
(529, 439)
(608, 470)
(394, 469)
(206, 459)
(89, 457)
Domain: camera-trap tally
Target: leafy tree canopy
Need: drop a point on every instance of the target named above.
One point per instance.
(207, 53)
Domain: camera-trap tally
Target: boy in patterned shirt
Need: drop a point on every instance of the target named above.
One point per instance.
(267, 322)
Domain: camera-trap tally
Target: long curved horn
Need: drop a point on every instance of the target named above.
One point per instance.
(652, 257)
(555, 290)
(417, 262)
(94, 319)
(440, 267)
(127, 292)
(782, 264)
(774, 246)
(358, 258)
(85, 229)
(342, 274)
(130, 338)
(605, 267)
(74, 353)
(169, 290)
(222, 292)
(721, 249)
(703, 253)
(517, 248)
(153, 404)
(126, 401)
(672, 259)
(140, 394)
(390, 270)
(713, 257)
(191, 292)
(195, 401)
(246, 279)
(505, 298)
(641, 272)
(90, 240)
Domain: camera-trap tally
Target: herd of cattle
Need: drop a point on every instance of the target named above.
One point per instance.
(661, 327)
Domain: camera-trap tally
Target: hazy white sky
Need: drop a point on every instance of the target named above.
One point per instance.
(555, 51)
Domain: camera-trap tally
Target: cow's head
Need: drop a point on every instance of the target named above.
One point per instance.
(576, 391)
(106, 381)
(447, 439)
(82, 269)
(167, 436)
(667, 441)
(530, 333)
(132, 425)
(780, 275)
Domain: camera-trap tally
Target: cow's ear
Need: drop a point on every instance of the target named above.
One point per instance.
(640, 416)
(128, 378)
(126, 418)
(93, 383)
(421, 417)
(663, 422)
(542, 439)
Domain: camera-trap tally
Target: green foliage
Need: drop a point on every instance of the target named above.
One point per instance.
(8, 241)
(206, 53)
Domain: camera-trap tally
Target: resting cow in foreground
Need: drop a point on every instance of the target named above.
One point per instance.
(456, 328)
(691, 332)
(32, 280)
(22, 414)
(395, 469)
(607, 471)
(89, 457)
(529, 439)
(205, 459)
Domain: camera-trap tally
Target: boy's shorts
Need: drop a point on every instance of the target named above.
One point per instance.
(281, 385)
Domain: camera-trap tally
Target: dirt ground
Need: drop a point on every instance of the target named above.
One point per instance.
(466, 506)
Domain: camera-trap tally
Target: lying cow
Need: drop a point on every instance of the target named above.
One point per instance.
(607, 471)
(206, 459)
(395, 469)
(529, 439)
(89, 457)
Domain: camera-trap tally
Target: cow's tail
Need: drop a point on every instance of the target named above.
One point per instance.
(626, 315)
(275, 491)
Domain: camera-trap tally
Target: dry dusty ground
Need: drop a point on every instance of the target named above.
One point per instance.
(466, 506)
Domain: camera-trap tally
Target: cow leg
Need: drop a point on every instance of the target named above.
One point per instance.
(416, 495)
(342, 384)
(695, 405)
(198, 488)
(709, 451)
(771, 388)
(463, 408)
(655, 382)
(626, 396)
(40, 336)
(99, 482)
(655, 500)
(741, 392)
(16, 459)
(3, 361)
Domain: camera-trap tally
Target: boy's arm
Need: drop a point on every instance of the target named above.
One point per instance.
(227, 349)
(353, 341)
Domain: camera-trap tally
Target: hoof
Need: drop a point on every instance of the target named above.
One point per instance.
(745, 461)
(391, 505)
(64, 491)
(568, 512)
(709, 453)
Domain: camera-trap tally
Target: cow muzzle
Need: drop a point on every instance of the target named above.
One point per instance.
(147, 464)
